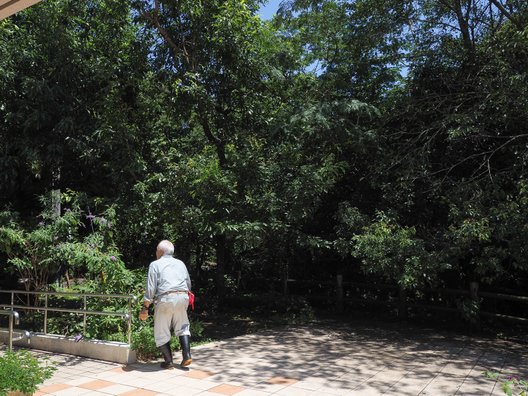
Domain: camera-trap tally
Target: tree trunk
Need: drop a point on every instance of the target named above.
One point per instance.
(220, 265)
(56, 192)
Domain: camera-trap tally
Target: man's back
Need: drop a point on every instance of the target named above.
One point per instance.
(167, 274)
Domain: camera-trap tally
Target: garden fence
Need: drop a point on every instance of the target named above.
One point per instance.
(127, 315)
(465, 302)
(14, 319)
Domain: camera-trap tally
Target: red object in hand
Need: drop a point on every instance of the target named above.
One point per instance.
(191, 299)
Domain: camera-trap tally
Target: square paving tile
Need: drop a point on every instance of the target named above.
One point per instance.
(119, 370)
(253, 392)
(193, 383)
(139, 392)
(226, 389)
(291, 391)
(73, 391)
(159, 386)
(96, 384)
(116, 389)
(54, 388)
(137, 383)
(308, 385)
(281, 381)
(198, 374)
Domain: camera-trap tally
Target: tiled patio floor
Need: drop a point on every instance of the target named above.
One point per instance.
(322, 361)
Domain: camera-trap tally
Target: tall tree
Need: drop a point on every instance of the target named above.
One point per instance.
(212, 56)
(68, 83)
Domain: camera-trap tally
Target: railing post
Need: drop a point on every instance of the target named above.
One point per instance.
(13, 317)
(402, 306)
(474, 312)
(339, 293)
(46, 313)
(129, 321)
(285, 280)
(84, 315)
(473, 290)
(10, 336)
(239, 278)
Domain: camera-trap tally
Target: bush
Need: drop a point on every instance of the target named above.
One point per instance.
(293, 309)
(143, 343)
(143, 339)
(511, 385)
(396, 253)
(21, 371)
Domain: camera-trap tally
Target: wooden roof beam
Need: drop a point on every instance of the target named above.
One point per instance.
(10, 7)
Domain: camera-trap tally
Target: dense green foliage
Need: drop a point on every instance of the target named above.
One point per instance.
(143, 339)
(511, 385)
(55, 250)
(379, 139)
(20, 371)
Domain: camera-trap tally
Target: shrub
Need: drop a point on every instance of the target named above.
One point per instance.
(21, 371)
(395, 252)
(143, 340)
(143, 343)
(511, 385)
(293, 309)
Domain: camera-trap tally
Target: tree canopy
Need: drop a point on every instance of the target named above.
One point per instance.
(381, 139)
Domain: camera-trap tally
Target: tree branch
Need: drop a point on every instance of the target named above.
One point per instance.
(505, 12)
(153, 18)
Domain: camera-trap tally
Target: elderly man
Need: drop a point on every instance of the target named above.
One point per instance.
(168, 284)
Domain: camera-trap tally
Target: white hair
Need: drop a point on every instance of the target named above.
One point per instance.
(166, 247)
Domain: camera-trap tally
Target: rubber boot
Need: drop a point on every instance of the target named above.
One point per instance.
(167, 356)
(186, 350)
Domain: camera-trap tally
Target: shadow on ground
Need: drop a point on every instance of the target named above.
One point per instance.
(365, 356)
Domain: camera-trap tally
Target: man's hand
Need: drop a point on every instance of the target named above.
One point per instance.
(143, 314)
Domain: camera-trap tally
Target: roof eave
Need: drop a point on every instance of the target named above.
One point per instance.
(10, 7)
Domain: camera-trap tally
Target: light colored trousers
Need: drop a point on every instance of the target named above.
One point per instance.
(170, 314)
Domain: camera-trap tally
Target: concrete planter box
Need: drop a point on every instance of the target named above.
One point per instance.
(118, 352)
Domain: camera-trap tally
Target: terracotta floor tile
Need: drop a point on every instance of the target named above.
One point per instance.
(281, 381)
(226, 389)
(120, 370)
(54, 388)
(198, 374)
(117, 389)
(75, 391)
(97, 384)
(139, 392)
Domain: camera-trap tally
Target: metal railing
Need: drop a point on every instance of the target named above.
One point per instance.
(335, 289)
(13, 317)
(84, 311)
